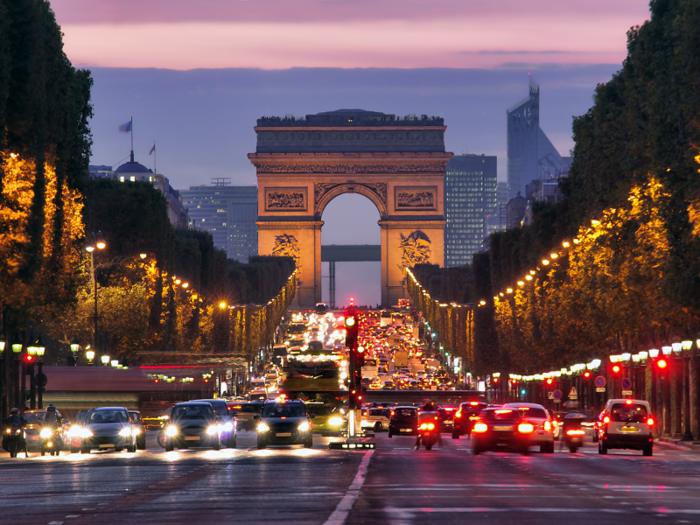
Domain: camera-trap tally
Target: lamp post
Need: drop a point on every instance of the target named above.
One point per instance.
(686, 347)
(105, 360)
(90, 354)
(29, 369)
(40, 379)
(16, 351)
(96, 244)
(2, 376)
(75, 348)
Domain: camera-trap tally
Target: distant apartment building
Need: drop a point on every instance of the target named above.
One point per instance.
(470, 206)
(227, 212)
(531, 155)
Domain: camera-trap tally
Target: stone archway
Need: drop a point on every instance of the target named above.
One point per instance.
(302, 165)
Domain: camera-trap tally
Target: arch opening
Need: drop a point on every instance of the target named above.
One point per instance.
(351, 219)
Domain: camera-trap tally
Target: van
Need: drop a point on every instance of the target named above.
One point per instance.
(626, 423)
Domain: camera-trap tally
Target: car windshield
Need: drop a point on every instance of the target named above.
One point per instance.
(628, 413)
(532, 412)
(34, 419)
(109, 416)
(193, 412)
(135, 417)
(379, 412)
(405, 414)
(219, 405)
(247, 409)
(283, 410)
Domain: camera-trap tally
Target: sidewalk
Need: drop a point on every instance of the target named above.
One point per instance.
(689, 445)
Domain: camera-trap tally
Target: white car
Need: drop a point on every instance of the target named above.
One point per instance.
(376, 419)
(626, 423)
(538, 416)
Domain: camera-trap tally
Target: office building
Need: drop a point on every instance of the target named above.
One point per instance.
(531, 155)
(470, 206)
(228, 213)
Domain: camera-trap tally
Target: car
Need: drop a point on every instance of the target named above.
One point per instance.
(538, 416)
(192, 424)
(226, 421)
(107, 427)
(404, 421)
(139, 429)
(284, 422)
(467, 413)
(446, 416)
(626, 424)
(376, 419)
(502, 429)
(245, 413)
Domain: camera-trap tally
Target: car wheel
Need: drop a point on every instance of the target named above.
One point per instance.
(602, 448)
(573, 449)
(43, 452)
(389, 434)
(261, 443)
(595, 437)
(455, 434)
(648, 451)
(132, 448)
(428, 446)
(168, 445)
(232, 443)
(217, 446)
(309, 443)
(141, 444)
(525, 451)
(476, 451)
(161, 439)
(118, 449)
(377, 427)
(544, 448)
(74, 450)
(84, 450)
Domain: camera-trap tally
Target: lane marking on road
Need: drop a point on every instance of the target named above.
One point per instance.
(340, 514)
(410, 513)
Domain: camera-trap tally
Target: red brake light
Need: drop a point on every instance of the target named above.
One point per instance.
(480, 428)
(504, 411)
(547, 425)
(650, 421)
(473, 403)
(458, 414)
(629, 401)
(526, 428)
(575, 432)
(606, 419)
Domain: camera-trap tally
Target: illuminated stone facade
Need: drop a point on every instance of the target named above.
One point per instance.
(398, 164)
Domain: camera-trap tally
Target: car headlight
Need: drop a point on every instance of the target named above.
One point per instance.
(75, 431)
(212, 429)
(335, 421)
(304, 427)
(125, 432)
(85, 433)
(227, 427)
(136, 431)
(262, 427)
(171, 431)
(46, 433)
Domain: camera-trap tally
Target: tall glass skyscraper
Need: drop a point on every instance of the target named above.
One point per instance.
(531, 155)
(470, 200)
(228, 213)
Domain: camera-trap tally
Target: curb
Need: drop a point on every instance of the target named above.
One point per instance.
(688, 445)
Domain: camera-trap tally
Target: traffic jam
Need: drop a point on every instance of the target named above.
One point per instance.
(388, 384)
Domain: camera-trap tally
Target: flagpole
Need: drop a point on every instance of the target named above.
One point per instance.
(155, 158)
(131, 129)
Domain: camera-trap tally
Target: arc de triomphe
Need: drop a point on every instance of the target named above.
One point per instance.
(398, 164)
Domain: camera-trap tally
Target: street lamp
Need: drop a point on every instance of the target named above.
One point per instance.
(686, 346)
(74, 348)
(105, 359)
(99, 244)
(40, 349)
(114, 362)
(90, 354)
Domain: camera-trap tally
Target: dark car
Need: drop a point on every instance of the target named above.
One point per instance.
(446, 415)
(192, 425)
(464, 419)
(35, 423)
(226, 421)
(245, 414)
(75, 432)
(501, 429)
(139, 429)
(108, 427)
(404, 421)
(284, 422)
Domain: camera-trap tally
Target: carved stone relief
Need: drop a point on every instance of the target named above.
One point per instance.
(351, 168)
(288, 246)
(285, 199)
(415, 249)
(416, 198)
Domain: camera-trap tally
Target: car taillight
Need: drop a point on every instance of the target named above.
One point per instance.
(606, 419)
(480, 427)
(547, 425)
(458, 414)
(650, 421)
(427, 426)
(526, 428)
(575, 432)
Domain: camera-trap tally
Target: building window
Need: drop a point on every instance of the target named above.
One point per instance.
(132, 178)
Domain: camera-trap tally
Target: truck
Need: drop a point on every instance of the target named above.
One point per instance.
(401, 358)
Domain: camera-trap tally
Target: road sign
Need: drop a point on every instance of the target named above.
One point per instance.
(550, 395)
(600, 389)
(626, 392)
(600, 382)
(626, 384)
(557, 394)
(572, 393)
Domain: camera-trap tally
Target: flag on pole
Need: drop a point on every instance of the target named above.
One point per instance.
(152, 149)
(126, 128)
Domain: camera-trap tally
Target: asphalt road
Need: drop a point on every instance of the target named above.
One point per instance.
(394, 484)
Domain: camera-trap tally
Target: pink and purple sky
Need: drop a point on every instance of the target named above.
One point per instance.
(279, 34)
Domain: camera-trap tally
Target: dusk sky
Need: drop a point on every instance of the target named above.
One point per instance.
(195, 75)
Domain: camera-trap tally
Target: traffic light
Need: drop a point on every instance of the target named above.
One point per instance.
(549, 380)
(355, 398)
(662, 364)
(587, 374)
(616, 369)
(359, 356)
(351, 328)
(495, 379)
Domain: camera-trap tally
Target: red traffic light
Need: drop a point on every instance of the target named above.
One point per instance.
(616, 369)
(549, 381)
(495, 380)
(586, 374)
(661, 363)
(28, 358)
(352, 301)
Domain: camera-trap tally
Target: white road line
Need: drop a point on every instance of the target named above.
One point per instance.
(340, 514)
